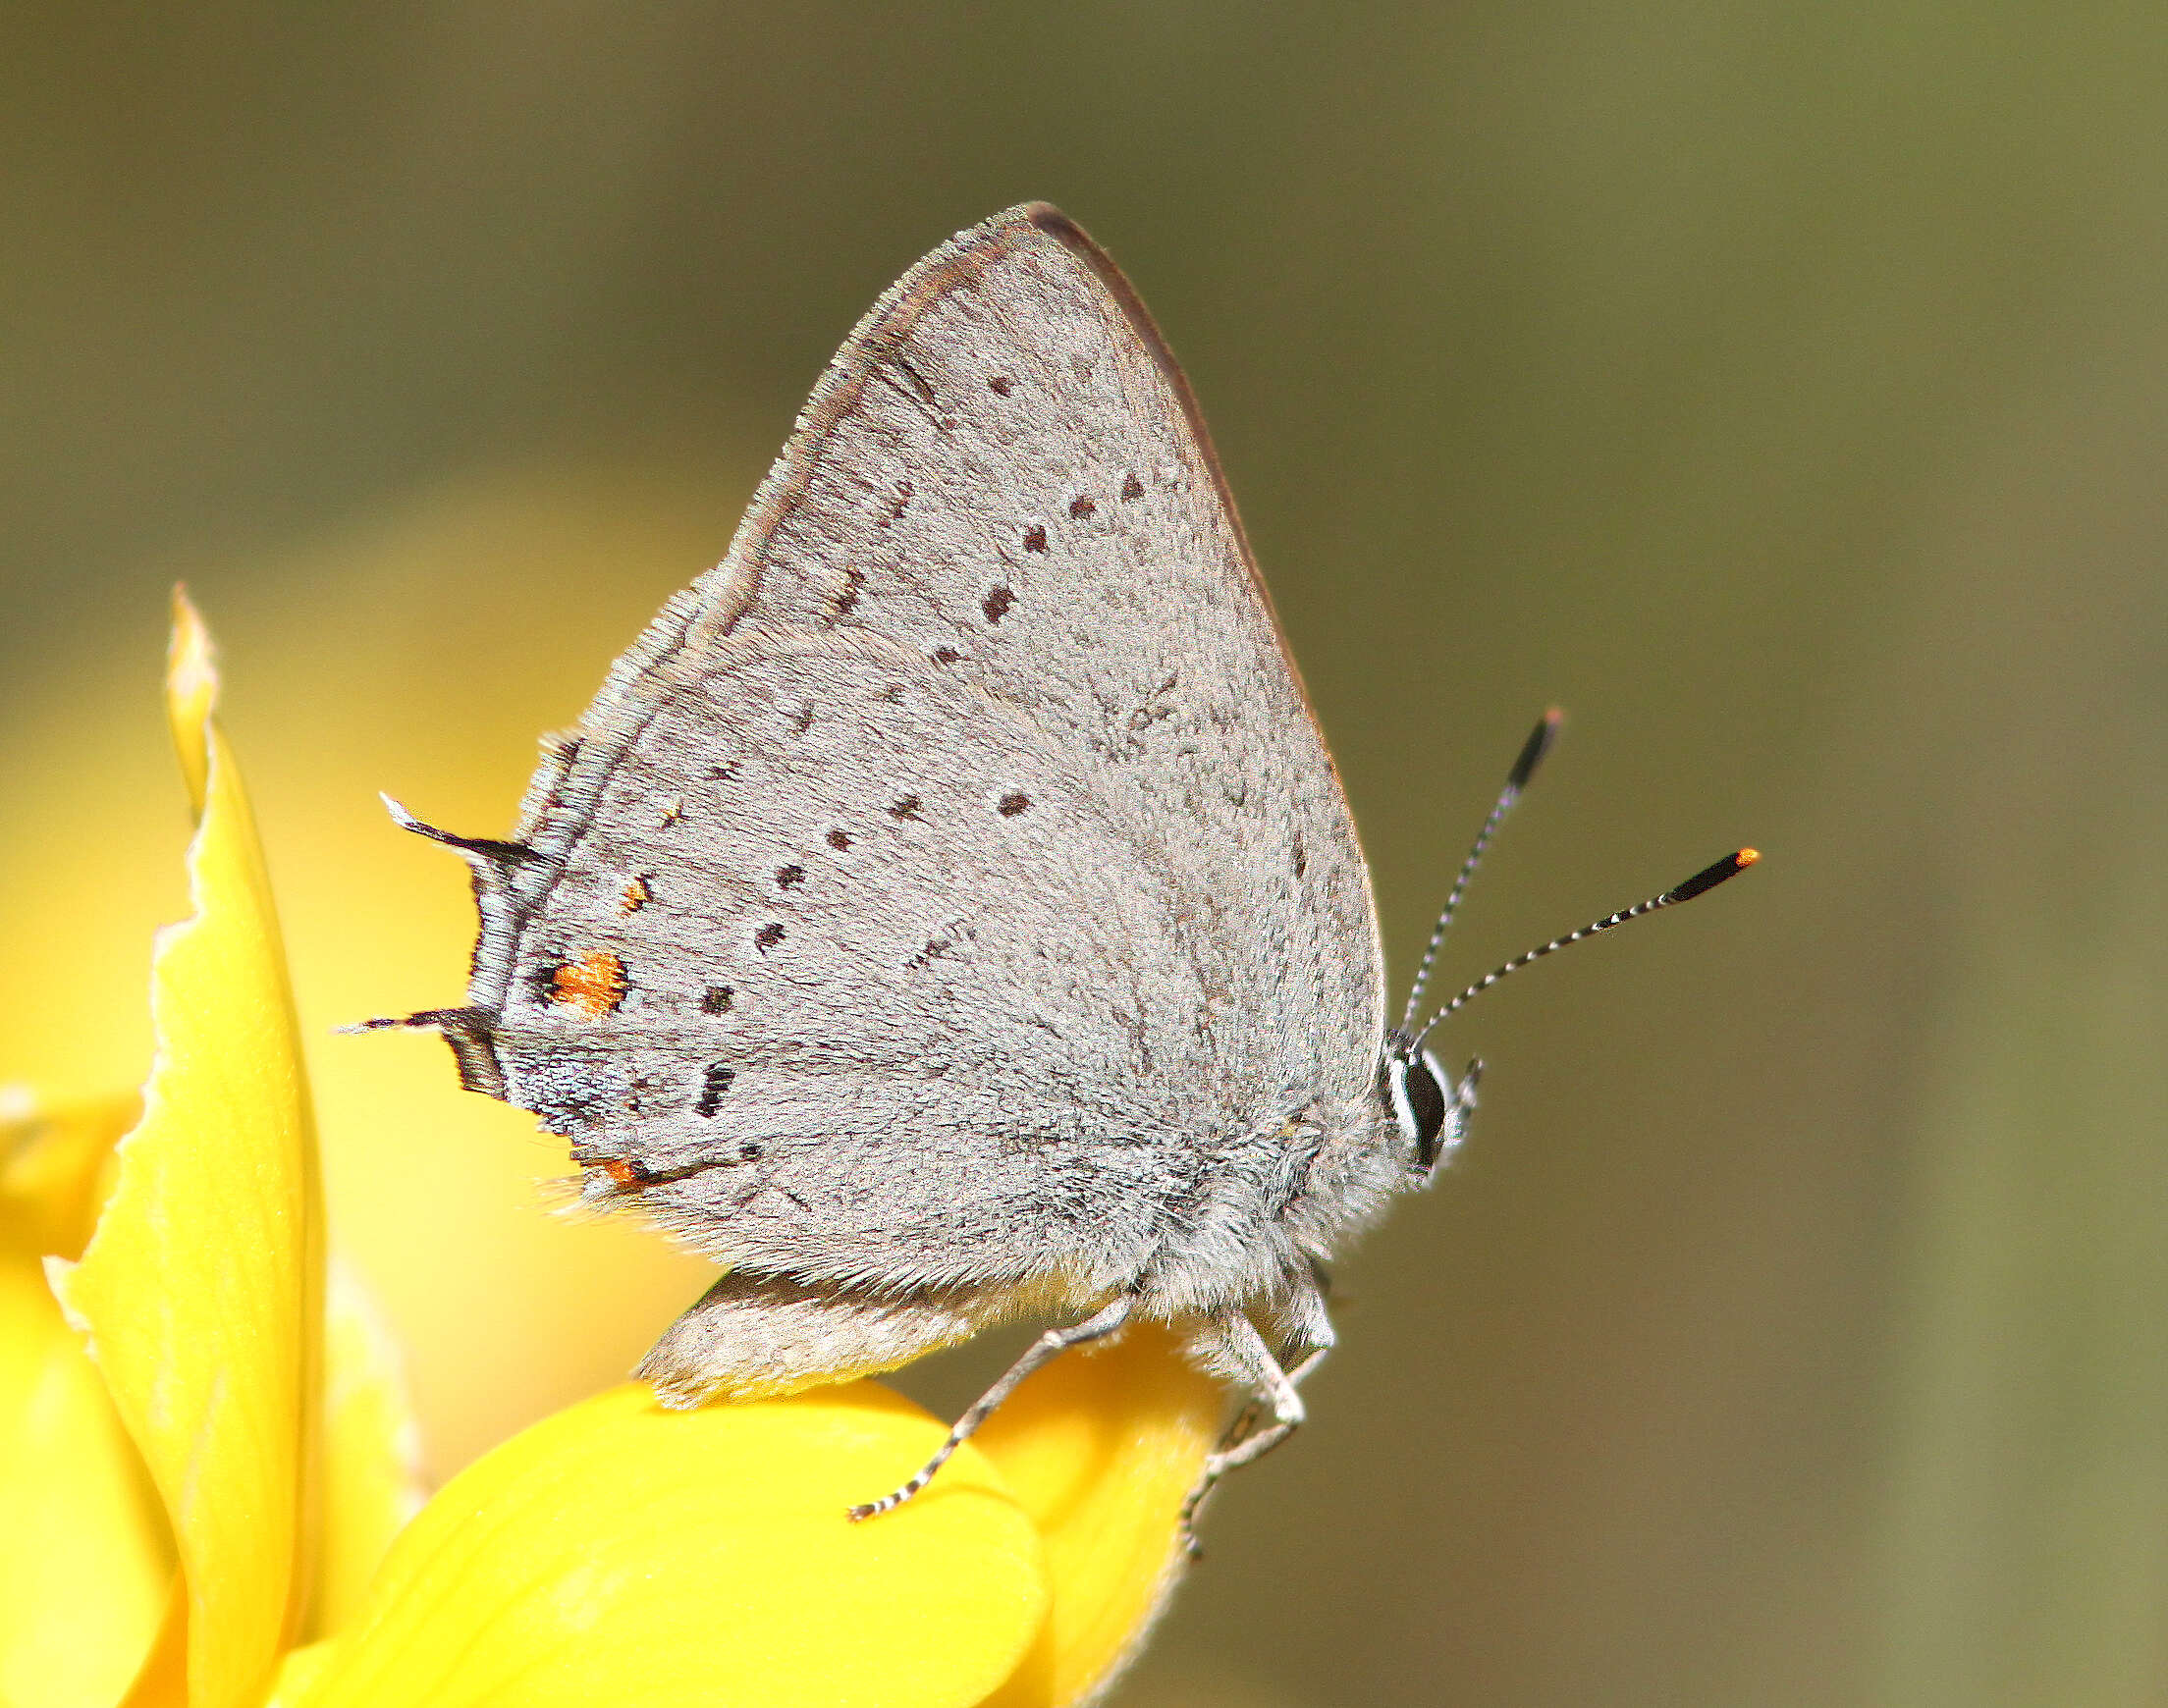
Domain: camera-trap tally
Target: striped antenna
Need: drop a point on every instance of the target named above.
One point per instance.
(1703, 882)
(1531, 752)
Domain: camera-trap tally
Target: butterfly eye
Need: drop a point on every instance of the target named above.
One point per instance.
(1416, 1092)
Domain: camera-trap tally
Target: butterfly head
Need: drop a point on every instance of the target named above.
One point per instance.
(1428, 1106)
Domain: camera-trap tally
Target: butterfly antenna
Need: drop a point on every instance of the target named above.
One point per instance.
(1701, 883)
(1531, 754)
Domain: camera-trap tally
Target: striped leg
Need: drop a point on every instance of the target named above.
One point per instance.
(1276, 1388)
(1048, 1346)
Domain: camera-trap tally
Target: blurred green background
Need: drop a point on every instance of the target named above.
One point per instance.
(1781, 389)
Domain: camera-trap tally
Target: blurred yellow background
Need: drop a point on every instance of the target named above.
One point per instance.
(1783, 390)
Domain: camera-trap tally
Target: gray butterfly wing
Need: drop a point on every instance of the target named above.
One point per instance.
(951, 888)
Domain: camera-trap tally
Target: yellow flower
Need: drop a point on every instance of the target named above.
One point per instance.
(210, 1497)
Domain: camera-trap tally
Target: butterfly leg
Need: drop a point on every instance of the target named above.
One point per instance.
(1307, 1327)
(1049, 1346)
(1276, 1392)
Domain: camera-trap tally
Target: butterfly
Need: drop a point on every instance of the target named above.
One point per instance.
(947, 911)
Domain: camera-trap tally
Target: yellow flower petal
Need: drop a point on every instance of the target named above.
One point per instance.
(87, 1559)
(192, 695)
(298, 1675)
(163, 1680)
(372, 1472)
(201, 1291)
(54, 1170)
(620, 1553)
(1102, 1448)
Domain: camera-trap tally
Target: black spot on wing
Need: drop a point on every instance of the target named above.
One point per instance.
(713, 1084)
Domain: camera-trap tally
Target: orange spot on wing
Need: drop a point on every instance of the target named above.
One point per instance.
(621, 1171)
(591, 987)
(635, 895)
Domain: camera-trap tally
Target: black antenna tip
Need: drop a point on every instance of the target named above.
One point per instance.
(1710, 877)
(1533, 750)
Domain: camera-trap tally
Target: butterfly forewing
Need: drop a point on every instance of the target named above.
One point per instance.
(958, 855)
